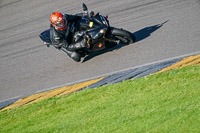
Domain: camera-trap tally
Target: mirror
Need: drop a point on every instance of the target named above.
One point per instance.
(84, 7)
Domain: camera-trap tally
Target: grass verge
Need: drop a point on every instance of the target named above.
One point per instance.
(165, 102)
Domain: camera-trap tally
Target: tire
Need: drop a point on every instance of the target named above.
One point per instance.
(124, 36)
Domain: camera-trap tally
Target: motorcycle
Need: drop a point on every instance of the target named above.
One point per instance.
(100, 35)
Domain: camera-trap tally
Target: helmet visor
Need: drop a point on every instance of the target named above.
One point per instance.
(62, 24)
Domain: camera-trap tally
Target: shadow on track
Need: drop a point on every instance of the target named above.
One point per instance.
(146, 32)
(139, 35)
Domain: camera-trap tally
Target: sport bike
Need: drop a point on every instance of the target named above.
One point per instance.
(100, 35)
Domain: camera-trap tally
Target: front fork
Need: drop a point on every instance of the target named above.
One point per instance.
(109, 37)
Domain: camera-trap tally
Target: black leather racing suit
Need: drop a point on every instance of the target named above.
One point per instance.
(64, 38)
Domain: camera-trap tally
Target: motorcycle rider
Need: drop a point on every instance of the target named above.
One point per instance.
(62, 30)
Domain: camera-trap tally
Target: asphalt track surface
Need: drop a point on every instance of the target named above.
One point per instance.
(163, 28)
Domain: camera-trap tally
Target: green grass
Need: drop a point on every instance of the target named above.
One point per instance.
(165, 102)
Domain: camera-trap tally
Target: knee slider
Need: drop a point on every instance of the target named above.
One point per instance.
(76, 56)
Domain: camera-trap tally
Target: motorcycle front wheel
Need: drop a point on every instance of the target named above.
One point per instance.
(124, 36)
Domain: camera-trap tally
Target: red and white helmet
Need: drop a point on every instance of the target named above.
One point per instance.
(58, 20)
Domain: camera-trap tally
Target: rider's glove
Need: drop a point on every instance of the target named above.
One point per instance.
(79, 35)
(90, 14)
(84, 43)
